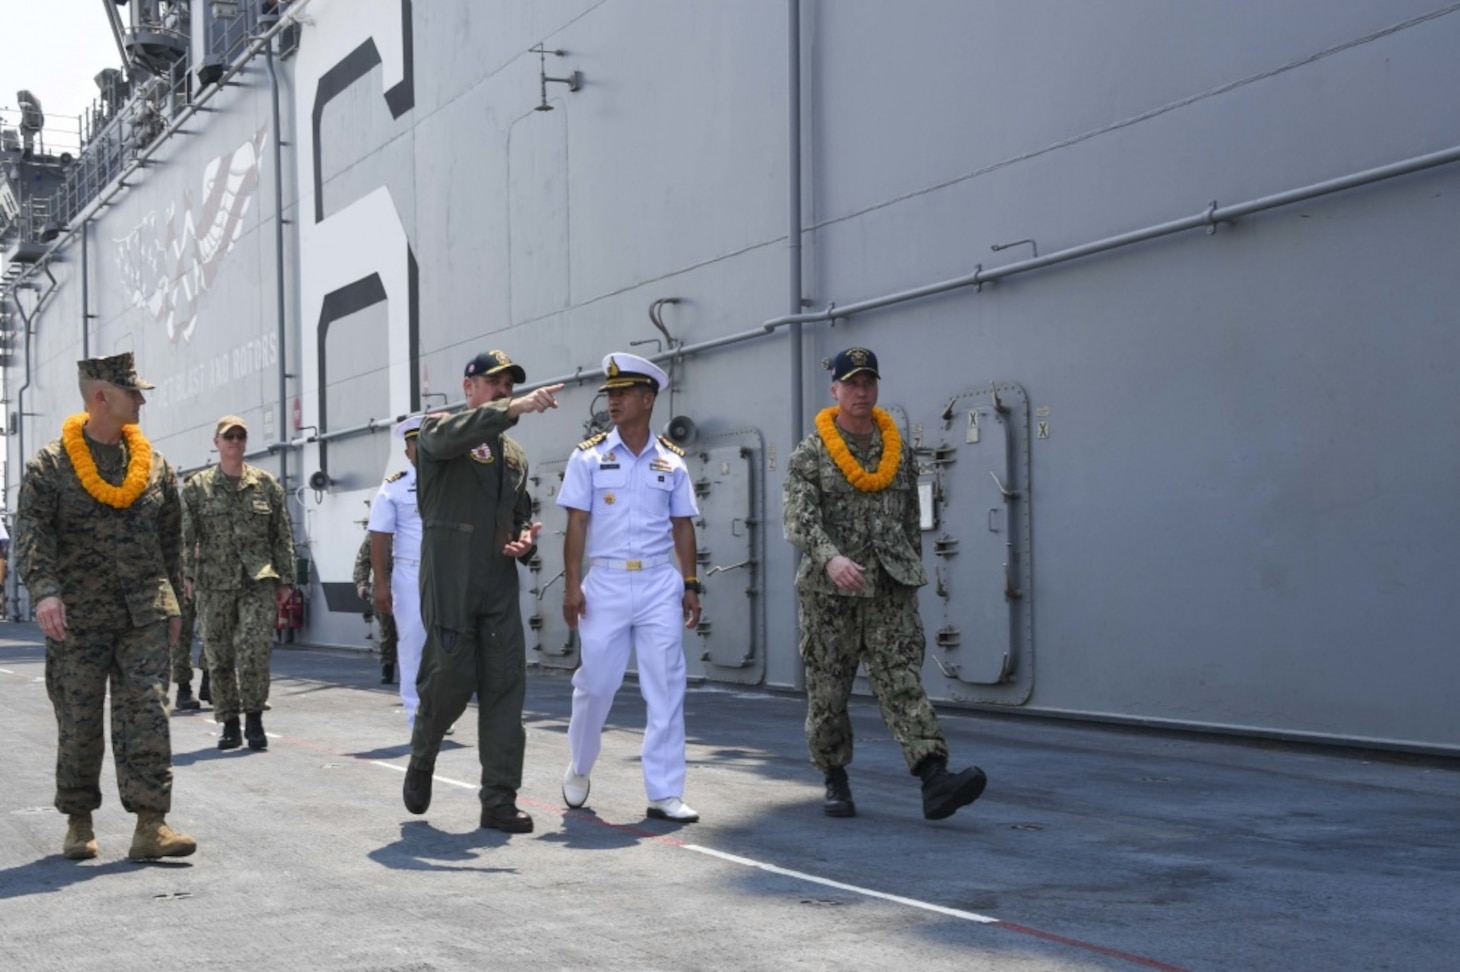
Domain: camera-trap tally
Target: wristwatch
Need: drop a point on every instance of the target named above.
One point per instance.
(693, 584)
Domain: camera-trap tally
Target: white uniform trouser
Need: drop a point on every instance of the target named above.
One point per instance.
(405, 597)
(642, 608)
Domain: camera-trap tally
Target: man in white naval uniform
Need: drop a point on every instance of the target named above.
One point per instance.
(631, 508)
(395, 562)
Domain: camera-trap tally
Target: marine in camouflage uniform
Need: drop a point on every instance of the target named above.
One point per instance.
(858, 580)
(388, 636)
(238, 558)
(103, 577)
(475, 512)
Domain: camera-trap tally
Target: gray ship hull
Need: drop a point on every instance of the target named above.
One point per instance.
(1164, 298)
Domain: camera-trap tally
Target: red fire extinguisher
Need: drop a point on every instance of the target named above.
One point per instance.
(291, 615)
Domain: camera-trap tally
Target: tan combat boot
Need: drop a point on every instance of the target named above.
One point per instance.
(154, 838)
(80, 838)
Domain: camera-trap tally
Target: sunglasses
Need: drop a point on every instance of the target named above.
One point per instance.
(235, 436)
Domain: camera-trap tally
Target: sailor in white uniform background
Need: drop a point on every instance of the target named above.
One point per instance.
(395, 561)
(631, 510)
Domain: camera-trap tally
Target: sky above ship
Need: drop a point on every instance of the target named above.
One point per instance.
(54, 49)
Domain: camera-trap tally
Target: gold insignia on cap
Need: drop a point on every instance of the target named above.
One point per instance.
(612, 368)
(501, 357)
(858, 356)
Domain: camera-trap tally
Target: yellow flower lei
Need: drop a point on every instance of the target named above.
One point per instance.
(867, 482)
(139, 466)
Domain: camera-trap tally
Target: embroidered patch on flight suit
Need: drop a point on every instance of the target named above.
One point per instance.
(483, 454)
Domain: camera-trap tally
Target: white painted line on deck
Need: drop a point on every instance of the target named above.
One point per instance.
(439, 779)
(827, 882)
(973, 916)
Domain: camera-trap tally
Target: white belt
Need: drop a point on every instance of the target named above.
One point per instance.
(644, 564)
(406, 560)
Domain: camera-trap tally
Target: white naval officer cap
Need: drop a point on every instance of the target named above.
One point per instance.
(623, 370)
(409, 428)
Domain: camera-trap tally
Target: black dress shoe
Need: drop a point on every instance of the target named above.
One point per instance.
(417, 790)
(506, 817)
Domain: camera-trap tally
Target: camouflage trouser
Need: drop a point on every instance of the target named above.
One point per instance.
(77, 672)
(182, 652)
(388, 638)
(885, 632)
(238, 638)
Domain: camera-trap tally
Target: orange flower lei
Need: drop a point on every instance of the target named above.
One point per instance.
(139, 466)
(867, 482)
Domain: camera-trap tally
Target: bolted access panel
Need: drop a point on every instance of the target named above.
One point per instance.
(549, 639)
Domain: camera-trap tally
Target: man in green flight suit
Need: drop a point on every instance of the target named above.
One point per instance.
(98, 545)
(476, 523)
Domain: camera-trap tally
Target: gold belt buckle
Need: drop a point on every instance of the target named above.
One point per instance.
(633, 565)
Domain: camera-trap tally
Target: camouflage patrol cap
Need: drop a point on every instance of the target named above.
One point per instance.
(117, 370)
(230, 422)
(851, 361)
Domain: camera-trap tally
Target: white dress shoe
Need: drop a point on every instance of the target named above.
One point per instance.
(672, 808)
(575, 788)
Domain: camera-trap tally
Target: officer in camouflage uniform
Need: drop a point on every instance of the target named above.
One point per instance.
(238, 556)
(388, 637)
(851, 507)
(98, 533)
(475, 513)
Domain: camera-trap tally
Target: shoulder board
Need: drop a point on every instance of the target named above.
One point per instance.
(394, 476)
(592, 441)
(669, 444)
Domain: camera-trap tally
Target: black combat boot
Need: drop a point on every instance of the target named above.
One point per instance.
(838, 794)
(185, 698)
(417, 790)
(945, 792)
(253, 730)
(387, 674)
(205, 694)
(232, 738)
